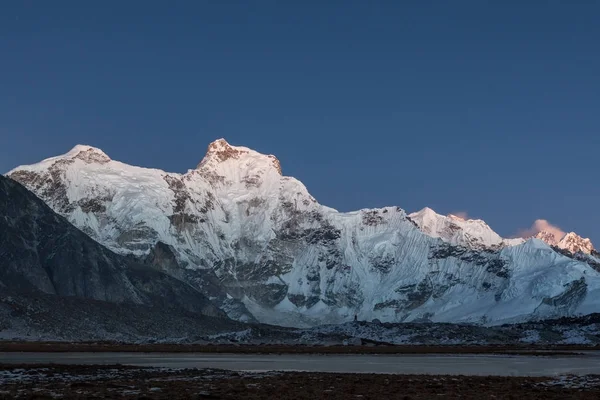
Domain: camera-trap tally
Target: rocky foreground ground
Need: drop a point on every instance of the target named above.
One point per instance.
(117, 382)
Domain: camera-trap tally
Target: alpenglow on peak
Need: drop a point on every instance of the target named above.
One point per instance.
(220, 151)
(85, 153)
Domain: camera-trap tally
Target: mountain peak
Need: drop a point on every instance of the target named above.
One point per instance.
(218, 144)
(85, 153)
(576, 244)
(549, 237)
(220, 151)
(570, 241)
(425, 212)
(88, 154)
(457, 230)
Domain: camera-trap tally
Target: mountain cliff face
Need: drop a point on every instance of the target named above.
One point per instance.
(260, 246)
(41, 252)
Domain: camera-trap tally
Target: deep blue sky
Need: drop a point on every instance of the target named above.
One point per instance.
(488, 107)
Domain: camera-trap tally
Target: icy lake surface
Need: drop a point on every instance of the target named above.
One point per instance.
(468, 364)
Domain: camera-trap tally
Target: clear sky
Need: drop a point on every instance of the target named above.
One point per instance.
(486, 107)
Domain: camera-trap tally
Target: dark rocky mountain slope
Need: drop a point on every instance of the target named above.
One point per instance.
(41, 252)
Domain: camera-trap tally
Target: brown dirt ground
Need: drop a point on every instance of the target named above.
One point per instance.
(139, 383)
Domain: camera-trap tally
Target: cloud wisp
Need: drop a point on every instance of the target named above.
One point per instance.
(542, 225)
(461, 214)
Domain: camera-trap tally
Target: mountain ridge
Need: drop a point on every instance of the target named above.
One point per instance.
(259, 238)
(220, 151)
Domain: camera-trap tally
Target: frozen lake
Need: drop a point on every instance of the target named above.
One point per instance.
(468, 364)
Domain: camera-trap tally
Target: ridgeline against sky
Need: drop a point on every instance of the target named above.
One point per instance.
(488, 110)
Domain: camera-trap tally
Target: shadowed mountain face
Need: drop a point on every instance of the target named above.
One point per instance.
(41, 251)
(260, 246)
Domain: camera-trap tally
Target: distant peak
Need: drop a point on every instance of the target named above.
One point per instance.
(424, 211)
(459, 229)
(84, 147)
(575, 243)
(88, 154)
(218, 144)
(549, 237)
(430, 213)
(85, 153)
(569, 241)
(221, 151)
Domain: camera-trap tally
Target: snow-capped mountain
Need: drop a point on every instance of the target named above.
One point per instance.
(547, 237)
(575, 244)
(471, 233)
(476, 234)
(260, 246)
(571, 242)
